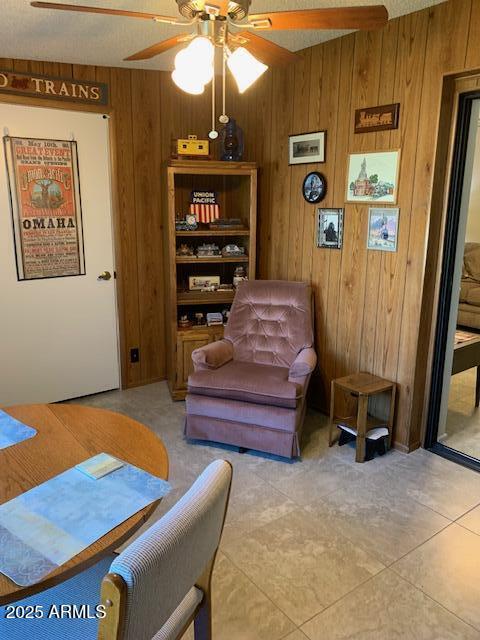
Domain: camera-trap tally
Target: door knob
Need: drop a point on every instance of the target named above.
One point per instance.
(106, 275)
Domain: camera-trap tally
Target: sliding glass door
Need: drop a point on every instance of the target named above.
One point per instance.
(453, 428)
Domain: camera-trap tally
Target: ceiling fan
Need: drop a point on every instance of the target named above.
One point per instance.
(227, 24)
(216, 16)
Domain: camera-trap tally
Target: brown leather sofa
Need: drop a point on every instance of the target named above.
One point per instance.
(469, 304)
(249, 389)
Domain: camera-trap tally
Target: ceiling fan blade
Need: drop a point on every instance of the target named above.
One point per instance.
(109, 12)
(160, 47)
(267, 52)
(372, 17)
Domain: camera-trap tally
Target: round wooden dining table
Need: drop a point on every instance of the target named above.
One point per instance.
(68, 434)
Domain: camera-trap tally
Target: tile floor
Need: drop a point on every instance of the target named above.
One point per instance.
(463, 418)
(325, 548)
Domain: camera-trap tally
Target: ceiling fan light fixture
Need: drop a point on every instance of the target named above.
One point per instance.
(194, 66)
(245, 68)
(203, 50)
(186, 81)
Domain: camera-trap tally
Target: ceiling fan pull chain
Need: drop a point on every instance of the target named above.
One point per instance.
(224, 118)
(213, 135)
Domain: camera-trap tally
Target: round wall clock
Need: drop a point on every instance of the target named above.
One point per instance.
(314, 187)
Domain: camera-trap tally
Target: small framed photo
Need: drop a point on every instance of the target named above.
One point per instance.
(314, 188)
(307, 147)
(373, 177)
(382, 229)
(203, 283)
(329, 228)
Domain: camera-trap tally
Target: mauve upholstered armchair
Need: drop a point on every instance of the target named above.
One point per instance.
(249, 389)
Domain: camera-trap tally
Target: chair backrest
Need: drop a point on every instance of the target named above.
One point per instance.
(165, 562)
(270, 321)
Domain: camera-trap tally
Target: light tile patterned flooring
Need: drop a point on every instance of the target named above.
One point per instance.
(325, 548)
(463, 418)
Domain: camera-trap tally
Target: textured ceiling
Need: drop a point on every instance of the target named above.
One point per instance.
(60, 36)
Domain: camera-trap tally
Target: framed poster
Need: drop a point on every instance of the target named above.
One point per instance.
(46, 208)
(305, 148)
(382, 229)
(329, 228)
(373, 177)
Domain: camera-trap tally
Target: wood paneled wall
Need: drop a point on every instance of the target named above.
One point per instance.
(368, 304)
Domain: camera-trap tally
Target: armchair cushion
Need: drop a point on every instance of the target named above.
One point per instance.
(471, 262)
(247, 381)
(473, 294)
(304, 363)
(213, 355)
(270, 321)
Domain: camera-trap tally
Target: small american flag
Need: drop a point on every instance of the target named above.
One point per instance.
(204, 206)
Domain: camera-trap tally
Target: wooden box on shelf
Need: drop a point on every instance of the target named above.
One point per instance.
(235, 186)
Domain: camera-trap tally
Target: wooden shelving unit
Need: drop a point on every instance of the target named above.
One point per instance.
(214, 233)
(210, 259)
(199, 297)
(235, 184)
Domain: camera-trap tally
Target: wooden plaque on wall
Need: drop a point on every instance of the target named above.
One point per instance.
(377, 118)
(38, 86)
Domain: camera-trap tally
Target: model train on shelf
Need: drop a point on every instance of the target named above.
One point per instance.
(210, 251)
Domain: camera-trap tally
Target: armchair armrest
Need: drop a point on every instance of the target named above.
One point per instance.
(213, 355)
(304, 363)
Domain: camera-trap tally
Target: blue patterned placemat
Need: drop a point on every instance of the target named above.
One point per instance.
(13, 431)
(49, 524)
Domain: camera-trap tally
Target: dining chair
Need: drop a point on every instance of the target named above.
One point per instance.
(154, 589)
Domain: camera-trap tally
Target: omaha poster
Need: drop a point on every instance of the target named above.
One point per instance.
(45, 199)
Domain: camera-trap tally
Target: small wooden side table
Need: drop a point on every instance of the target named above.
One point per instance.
(363, 386)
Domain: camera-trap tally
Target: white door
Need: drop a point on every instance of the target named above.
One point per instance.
(59, 336)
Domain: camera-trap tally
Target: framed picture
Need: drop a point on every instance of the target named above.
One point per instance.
(307, 147)
(380, 118)
(373, 177)
(330, 228)
(314, 187)
(382, 229)
(203, 283)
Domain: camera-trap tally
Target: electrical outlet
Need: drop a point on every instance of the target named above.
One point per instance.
(134, 354)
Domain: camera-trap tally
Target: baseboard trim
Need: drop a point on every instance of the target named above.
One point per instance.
(399, 446)
(142, 383)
